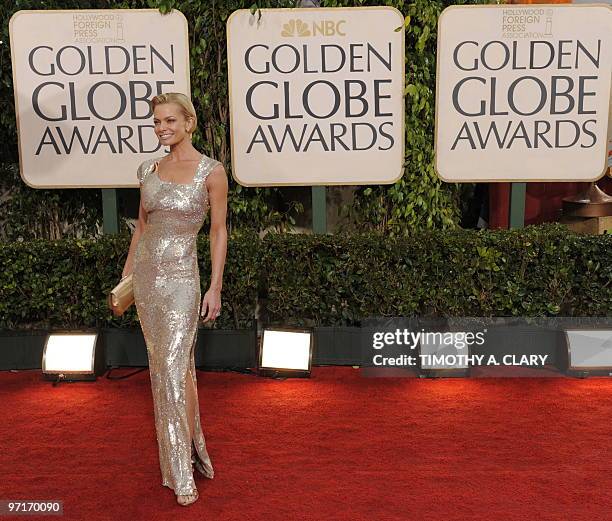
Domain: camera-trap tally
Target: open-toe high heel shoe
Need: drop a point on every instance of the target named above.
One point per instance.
(187, 499)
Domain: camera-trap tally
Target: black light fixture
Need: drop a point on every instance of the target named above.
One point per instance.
(72, 356)
(285, 352)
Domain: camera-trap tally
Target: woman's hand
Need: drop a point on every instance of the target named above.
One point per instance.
(211, 304)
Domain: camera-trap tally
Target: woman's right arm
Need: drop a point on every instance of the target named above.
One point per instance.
(140, 226)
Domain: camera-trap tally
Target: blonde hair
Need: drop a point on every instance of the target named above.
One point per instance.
(182, 101)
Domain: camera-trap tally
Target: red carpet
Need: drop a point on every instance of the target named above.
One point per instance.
(338, 446)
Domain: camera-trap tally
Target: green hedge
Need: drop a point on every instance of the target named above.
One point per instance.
(65, 283)
(326, 280)
(538, 271)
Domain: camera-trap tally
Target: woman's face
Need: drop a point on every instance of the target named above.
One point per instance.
(171, 126)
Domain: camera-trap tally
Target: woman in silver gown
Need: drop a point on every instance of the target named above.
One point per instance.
(176, 192)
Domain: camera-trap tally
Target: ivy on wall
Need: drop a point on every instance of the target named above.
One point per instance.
(418, 200)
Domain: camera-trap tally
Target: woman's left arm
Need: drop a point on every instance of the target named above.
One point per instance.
(217, 186)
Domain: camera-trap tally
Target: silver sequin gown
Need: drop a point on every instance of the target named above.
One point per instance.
(166, 282)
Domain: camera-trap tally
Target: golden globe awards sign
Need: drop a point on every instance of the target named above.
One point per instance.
(523, 92)
(316, 96)
(82, 82)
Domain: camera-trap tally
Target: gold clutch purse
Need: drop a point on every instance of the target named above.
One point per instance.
(121, 296)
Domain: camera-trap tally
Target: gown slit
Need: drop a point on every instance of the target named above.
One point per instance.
(167, 296)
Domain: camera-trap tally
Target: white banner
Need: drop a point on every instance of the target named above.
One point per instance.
(523, 92)
(82, 82)
(316, 96)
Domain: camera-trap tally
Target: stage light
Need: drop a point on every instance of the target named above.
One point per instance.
(442, 353)
(72, 356)
(589, 351)
(285, 352)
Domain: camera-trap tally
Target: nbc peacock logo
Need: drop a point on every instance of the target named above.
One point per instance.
(299, 28)
(295, 28)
